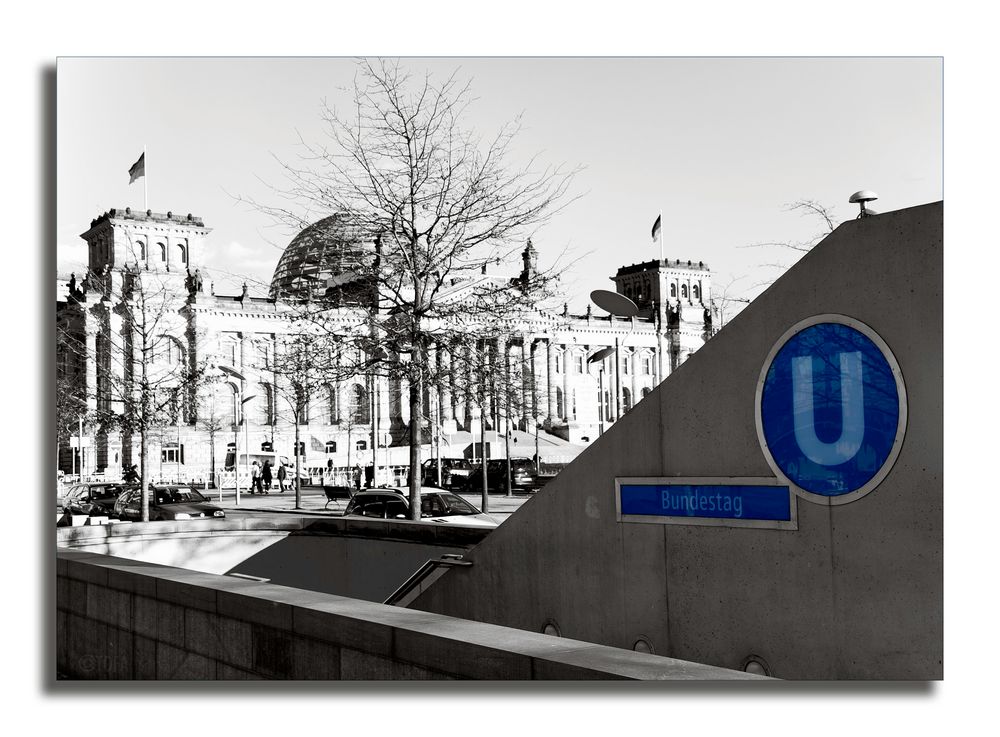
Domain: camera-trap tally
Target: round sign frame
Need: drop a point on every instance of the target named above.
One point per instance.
(879, 477)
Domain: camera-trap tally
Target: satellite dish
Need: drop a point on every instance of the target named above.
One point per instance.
(601, 355)
(615, 303)
(861, 197)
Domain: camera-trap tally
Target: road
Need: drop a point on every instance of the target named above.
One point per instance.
(314, 502)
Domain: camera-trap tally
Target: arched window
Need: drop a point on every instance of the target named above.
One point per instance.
(626, 400)
(673, 290)
(573, 393)
(140, 250)
(163, 251)
(560, 408)
(684, 291)
(358, 408)
(265, 404)
(645, 391)
(181, 253)
(696, 291)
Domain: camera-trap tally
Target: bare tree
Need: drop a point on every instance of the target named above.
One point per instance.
(806, 208)
(303, 370)
(437, 204)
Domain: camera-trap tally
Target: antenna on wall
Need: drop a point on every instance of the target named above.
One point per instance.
(861, 197)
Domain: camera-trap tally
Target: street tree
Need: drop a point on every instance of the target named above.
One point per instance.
(305, 379)
(438, 205)
(144, 375)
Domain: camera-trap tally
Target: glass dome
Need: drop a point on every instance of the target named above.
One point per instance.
(327, 248)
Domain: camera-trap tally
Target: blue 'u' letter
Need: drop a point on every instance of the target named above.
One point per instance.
(852, 407)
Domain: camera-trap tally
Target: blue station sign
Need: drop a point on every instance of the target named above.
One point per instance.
(831, 409)
(730, 502)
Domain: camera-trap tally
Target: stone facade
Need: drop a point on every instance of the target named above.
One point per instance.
(156, 257)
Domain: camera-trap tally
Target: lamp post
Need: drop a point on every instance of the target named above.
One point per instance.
(620, 306)
(230, 371)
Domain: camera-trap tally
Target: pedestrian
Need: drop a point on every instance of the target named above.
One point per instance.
(282, 475)
(131, 475)
(369, 476)
(266, 476)
(255, 480)
(357, 476)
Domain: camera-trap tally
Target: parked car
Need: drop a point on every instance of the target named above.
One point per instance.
(95, 499)
(454, 473)
(522, 475)
(436, 505)
(167, 503)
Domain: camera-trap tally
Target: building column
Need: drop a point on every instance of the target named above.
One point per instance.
(527, 403)
(565, 381)
(550, 381)
(635, 376)
(473, 392)
(661, 348)
(445, 397)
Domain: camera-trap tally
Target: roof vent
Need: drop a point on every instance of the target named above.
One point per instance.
(861, 197)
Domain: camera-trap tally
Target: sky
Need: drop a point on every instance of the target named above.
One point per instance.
(720, 146)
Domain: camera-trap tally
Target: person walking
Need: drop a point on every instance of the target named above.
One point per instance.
(266, 477)
(131, 475)
(255, 480)
(357, 477)
(282, 475)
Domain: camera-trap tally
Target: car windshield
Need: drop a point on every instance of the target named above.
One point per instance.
(178, 496)
(445, 505)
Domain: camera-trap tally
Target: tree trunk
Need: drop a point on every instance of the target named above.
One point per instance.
(415, 411)
(482, 437)
(298, 461)
(144, 475)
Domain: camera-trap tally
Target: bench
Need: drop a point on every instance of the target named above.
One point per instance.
(336, 493)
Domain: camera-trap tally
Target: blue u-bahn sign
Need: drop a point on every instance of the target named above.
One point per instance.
(831, 409)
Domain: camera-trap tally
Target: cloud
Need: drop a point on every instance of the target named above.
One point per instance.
(230, 264)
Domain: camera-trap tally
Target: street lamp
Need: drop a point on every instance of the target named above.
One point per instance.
(229, 370)
(620, 306)
(598, 357)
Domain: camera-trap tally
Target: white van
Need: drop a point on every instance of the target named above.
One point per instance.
(246, 460)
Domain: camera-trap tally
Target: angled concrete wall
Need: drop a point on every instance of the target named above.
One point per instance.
(124, 619)
(854, 592)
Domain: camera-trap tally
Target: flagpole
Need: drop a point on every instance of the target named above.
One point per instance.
(660, 218)
(145, 178)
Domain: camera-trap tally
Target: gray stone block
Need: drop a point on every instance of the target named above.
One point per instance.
(252, 604)
(143, 658)
(459, 657)
(109, 606)
(86, 567)
(315, 660)
(169, 623)
(182, 587)
(135, 579)
(177, 664)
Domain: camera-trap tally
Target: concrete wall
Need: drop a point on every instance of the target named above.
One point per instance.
(123, 619)
(362, 559)
(854, 592)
